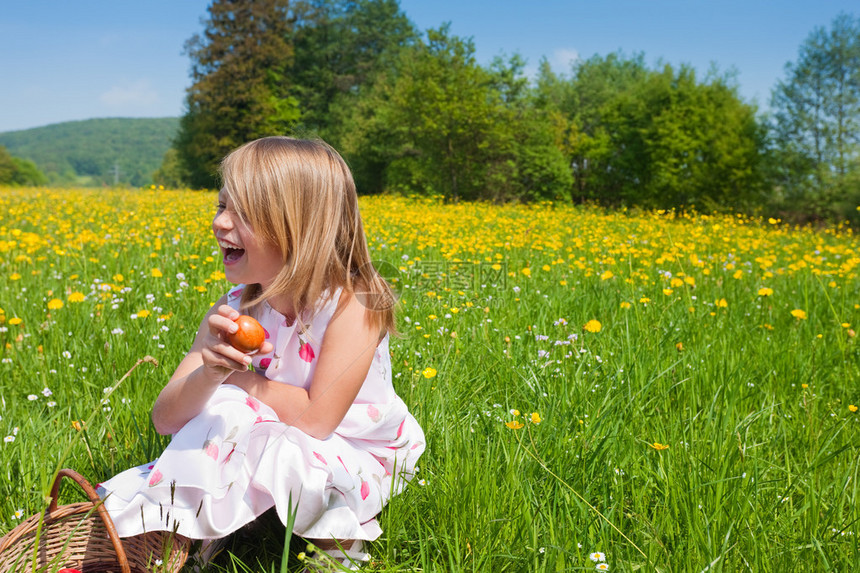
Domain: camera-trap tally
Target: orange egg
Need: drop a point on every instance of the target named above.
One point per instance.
(249, 337)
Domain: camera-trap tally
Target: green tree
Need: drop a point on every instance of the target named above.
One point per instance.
(656, 138)
(27, 173)
(577, 107)
(7, 167)
(171, 173)
(680, 142)
(816, 119)
(17, 171)
(526, 163)
(339, 45)
(437, 122)
(240, 90)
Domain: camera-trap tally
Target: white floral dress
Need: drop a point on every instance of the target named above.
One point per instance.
(235, 459)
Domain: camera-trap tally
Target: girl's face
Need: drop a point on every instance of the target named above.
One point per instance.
(247, 259)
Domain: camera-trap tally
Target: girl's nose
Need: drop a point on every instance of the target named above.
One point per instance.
(222, 221)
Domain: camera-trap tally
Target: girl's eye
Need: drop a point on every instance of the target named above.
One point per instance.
(221, 206)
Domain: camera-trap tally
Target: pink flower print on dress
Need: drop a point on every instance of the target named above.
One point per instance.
(211, 449)
(373, 413)
(343, 464)
(266, 332)
(264, 363)
(320, 457)
(236, 293)
(306, 352)
(229, 454)
(365, 489)
(400, 428)
(155, 478)
(253, 403)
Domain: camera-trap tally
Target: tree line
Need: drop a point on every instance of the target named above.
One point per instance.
(414, 112)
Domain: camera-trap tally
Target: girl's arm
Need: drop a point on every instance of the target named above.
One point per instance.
(207, 365)
(342, 365)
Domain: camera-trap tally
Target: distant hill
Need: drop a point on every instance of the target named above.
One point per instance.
(96, 152)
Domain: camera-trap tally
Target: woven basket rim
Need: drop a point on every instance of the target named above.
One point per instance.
(95, 543)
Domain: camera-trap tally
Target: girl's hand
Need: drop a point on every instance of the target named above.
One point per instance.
(220, 358)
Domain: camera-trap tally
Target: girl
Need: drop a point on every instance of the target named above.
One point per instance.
(310, 424)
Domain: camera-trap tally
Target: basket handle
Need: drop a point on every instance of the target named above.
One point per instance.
(97, 502)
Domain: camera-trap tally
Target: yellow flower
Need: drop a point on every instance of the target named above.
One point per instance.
(852, 407)
(156, 273)
(55, 304)
(606, 275)
(527, 271)
(658, 446)
(514, 424)
(15, 321)
(765, 291)
(625, 304)
(14, 277)
(592, 326)
(644, 300)
(680, 347)
(535, 417)
(721, 303)
(76, 297)
(798, 314)
(429, 372)
(143, 313)
(546, 267)
(667, 291)
(118, 278)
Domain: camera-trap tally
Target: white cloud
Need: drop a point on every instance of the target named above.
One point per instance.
(135, 94)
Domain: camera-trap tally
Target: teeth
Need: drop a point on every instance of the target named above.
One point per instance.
(225, 245)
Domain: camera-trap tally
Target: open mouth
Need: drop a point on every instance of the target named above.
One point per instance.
(231, 252)
(233, 255)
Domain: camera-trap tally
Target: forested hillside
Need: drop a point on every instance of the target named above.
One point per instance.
(108, 151)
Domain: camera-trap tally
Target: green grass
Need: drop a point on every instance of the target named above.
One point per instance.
(761, 472)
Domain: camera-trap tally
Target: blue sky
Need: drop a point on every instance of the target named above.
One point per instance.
(68, 60)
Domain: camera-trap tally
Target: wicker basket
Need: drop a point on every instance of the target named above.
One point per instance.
(82, 536)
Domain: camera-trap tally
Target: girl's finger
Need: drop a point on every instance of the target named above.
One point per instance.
(219, 324)
(225, 356)
(228, 311)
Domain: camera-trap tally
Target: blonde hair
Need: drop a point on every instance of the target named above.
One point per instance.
(299, 196)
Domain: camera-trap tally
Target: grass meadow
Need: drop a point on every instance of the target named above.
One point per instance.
(673, 391)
